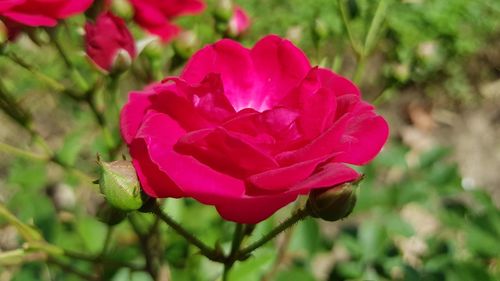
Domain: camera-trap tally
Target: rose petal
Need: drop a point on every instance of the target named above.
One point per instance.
(153, 181)
(160, 133)
(232, 61)
(364, 138)
(325, 144)
(279, 67)
(225, 152)
(133, 113)
(31, 20)
(338, 84)
(285, 177)
(329, 175)
(252, 210)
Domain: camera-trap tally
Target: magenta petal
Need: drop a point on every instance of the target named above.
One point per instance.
(336, 83)
(168, 100)
(31, 20)
(74, 6)
(364, 138)
(317, 113)
(280, 66)
(133, 112)
(329, 175)
(252, 210)
(160, 133)
(225, 152)
(154, 182)
(232, 61)
(285, 177)
(7, 4)
(325, 144)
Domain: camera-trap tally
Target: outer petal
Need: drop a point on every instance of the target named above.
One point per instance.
(338, 84)
(73, 7)
(364, 138)
(160, 133)
(31, 20)
(325, 144)
(225, 152)
(7, 4)
(329, 175)
(280, 66)
(285, 177)
(133, 113)
(153, 181)
(252, 210)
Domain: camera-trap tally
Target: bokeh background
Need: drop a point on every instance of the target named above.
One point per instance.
(428, 208)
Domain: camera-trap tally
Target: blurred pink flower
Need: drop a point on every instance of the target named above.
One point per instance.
(249, 130)
(239, 22)
(106, 38)
(40, 12)
(156, 15)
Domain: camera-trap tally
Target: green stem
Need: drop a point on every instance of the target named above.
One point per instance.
(47, 80)
(360, 69)
(375, 26)
(205, 250)
(239, 234)
(354, 44)
(9, 149)
(73, 270)
(299, 215)
(74, 73)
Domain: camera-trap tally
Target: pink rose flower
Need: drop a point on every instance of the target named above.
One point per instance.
(41, 12)
(239, 22)
(156, 15)
(248, 130)
(106, 38)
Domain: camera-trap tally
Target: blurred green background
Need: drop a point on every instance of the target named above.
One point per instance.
(428, 208)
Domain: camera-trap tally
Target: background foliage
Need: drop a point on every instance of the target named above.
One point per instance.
(417, 217)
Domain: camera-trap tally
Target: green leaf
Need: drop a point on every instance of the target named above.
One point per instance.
(372, 238)
(306, 237)
(254, 267)
(93, 233)
(295, 274)
(72, 146)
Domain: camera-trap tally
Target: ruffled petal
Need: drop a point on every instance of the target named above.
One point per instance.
(325, 144)
(225, 152)
(133, 112)
(160, 133)
(31, 20)
(364, 137)
(279, 66)
(232, 61)
(285, 177)
(329, 175)
(252, 210)
(154, 182)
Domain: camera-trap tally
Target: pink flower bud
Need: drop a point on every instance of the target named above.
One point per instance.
(239, 22)
(106, 39)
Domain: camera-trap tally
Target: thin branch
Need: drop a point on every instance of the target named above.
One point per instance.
(205, 250)
(299, 215)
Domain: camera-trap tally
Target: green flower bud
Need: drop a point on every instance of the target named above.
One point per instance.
(123, 9)
(320, 30)
(121, 62)
(185, 44)
(120, 185)
(401, 72)
(332, 204)
(223, 10)
(109, 214)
